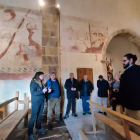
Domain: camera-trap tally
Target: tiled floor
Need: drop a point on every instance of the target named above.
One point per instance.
(85, 122)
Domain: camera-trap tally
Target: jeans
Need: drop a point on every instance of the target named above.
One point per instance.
(68, 105)
(37, 110)
(85, 104)
(104, 101)
(53, 104)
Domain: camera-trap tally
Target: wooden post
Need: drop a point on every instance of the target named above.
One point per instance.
(121, 109)
(26, 107)
(16, 102)
(93, 118)
(126, 129)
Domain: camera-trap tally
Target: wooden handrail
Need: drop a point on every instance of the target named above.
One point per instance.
(121, 116)
(7, 102)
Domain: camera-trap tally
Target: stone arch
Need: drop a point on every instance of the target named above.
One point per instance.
(133, 37)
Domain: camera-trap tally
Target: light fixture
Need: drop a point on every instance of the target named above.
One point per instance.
(56, 6)
(41, 2)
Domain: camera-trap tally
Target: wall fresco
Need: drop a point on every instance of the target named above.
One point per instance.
(82, 37)
(20, 42)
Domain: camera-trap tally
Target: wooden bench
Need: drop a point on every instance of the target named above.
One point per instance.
(10, 122)
(123, 130)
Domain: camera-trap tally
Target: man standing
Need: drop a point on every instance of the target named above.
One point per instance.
(103, 87)
(54, 100)
(130, 87)
(71, 85)
(85, 88)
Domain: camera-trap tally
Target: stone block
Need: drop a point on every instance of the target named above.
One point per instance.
(53, 42)
(53, 33)
(51, 10)
(50, 2)
(51, 50)
(45, 41)
(45, 69)
(53, 18)
(46, 33)
(46, 17)
(48, 41)
(43, 50)
(49, 60)
(49, 25)
(53, 69)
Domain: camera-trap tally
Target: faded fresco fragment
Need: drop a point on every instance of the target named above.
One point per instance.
(20, 52)
(82, 37)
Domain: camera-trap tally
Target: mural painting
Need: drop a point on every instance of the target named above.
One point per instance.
(82, 37)
(20, 39)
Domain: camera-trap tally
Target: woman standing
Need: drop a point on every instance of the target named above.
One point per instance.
(37, 90)
(115, 92)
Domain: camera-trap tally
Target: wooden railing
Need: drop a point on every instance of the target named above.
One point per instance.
(8, 102)
(121, 129)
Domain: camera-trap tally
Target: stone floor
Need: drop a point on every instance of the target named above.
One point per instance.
(68, 130)
(59, 132)
(85, 122)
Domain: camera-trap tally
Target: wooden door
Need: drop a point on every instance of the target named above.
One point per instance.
(84, 71)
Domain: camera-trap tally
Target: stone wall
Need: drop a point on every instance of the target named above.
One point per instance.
(50, 59)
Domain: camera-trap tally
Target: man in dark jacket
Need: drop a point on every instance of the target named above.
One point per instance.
(130, 86)
(71, 85)
(103, 87)
(54, 99)
(85, 88)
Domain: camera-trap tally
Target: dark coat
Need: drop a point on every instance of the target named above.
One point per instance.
(130, 88)
(89, 87)
(68, 86)
(103, 87)
(37, 95)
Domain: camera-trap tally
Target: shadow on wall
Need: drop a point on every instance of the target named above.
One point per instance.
(1, 115)
(62, 98)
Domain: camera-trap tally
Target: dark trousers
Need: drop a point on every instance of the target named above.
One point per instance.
(68, 105)
(37, 110)
(115, 103)
(85, 104)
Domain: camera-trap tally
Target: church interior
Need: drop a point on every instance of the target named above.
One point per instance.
(79, 37)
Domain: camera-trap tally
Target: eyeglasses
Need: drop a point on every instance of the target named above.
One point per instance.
(124, 60)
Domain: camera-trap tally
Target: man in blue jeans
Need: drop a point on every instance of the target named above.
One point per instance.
(103, 87)
(85, 88)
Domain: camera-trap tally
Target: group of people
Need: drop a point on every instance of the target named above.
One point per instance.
(51, 91)
(125, 90)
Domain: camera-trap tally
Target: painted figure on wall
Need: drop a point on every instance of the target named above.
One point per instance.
(8, 15)
(19, 41)
(83, 37)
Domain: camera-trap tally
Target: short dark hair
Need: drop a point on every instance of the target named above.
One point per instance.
(130, 55)
(100, 77)
(71, 73)
(53, 73)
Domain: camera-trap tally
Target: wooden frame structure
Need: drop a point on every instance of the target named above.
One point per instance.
(10, 122)
(123, 130)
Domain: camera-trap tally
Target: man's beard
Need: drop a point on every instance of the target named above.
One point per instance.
(126, 66)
